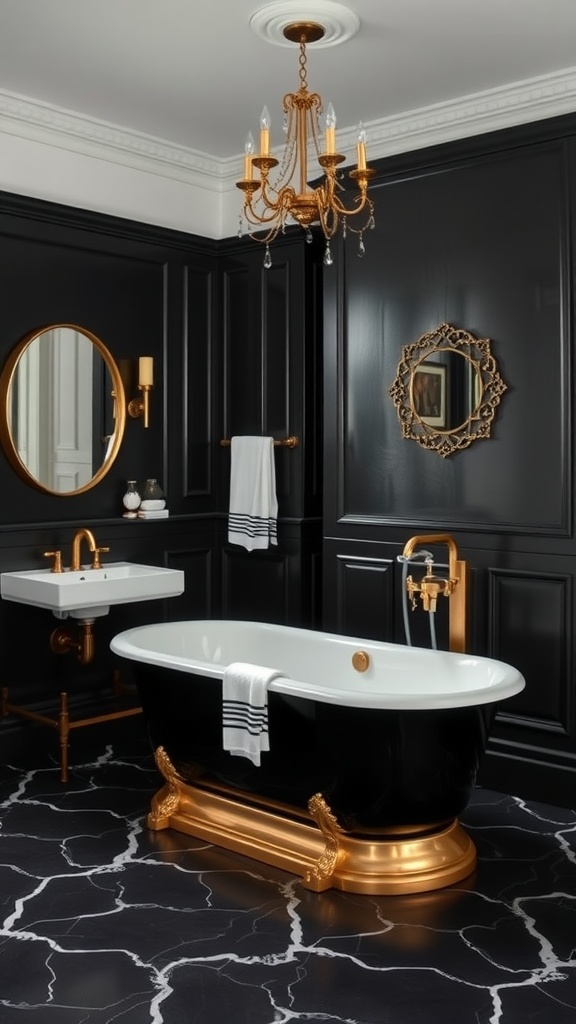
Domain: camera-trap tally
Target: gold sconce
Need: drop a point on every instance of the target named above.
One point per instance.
(139, 406)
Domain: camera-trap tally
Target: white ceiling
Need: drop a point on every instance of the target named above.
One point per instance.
(196, 75)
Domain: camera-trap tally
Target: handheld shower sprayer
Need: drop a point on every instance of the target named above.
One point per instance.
(428, 558)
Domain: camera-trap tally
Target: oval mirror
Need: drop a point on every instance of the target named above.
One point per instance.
(62, 409)
(447, 389)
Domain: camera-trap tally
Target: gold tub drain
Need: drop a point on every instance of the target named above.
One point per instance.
(361, 661)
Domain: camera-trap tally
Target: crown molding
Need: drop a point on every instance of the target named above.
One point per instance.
(519, 103)
(494, 109)
(41, 122)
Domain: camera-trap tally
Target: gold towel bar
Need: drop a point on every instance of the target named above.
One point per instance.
(287, 442)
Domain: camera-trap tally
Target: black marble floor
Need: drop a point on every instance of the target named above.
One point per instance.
(104, 921)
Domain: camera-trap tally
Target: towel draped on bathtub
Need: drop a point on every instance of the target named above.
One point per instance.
(252, 518)
(245, 709)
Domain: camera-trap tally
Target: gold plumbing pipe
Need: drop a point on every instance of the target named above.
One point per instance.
(455, 588)
(61, 641)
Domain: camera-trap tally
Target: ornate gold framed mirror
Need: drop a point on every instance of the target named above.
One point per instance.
(447, 389)
(62, 409)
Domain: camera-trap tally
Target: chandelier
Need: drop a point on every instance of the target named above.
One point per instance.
(269, 205)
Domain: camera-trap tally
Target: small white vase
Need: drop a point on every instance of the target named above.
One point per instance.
(131, 500)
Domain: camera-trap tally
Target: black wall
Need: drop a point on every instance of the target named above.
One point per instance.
(478, 234)
(235, 352)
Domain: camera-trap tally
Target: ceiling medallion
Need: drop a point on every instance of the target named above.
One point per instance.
(339, 23)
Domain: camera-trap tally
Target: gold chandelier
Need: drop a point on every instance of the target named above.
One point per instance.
(269, 205)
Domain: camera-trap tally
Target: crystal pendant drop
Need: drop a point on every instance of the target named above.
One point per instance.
(372, 223)
(361, 248)
(309, 236)
(327, 261)
(267, 258)
(240, 228)
(344, 228)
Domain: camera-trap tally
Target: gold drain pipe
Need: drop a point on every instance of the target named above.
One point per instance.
(62, 642)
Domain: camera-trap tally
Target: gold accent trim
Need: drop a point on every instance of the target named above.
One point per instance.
(484, 383)
(360, 661)
(320, 852)
(167, 801)
(117, 392)
(285, 442)
(320, 875)
(309, 31)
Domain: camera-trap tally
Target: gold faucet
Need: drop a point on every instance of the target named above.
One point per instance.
(431, 587)
(88, 536)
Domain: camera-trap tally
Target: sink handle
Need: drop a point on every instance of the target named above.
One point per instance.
(57, 556)
(96, 563)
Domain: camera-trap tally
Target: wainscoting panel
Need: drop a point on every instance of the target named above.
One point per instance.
(198, 355)
(254, 585)
(365, 605)
(529, 613)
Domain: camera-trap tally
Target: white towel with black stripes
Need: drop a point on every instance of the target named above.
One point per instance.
(245, 709)
(253, 514)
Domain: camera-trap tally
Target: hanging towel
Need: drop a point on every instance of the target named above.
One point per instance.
(253, 502)
(245, 709)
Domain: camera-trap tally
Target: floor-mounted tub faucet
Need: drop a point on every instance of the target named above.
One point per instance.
(430, 587)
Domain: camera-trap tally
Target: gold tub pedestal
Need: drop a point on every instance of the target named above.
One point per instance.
(311, 844)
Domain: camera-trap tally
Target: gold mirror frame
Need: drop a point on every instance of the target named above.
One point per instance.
(7, 378)
(486, 388)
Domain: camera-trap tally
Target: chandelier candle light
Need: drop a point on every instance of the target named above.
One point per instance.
(268, 206)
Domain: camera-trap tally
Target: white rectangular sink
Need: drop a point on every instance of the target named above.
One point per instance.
(88, 593)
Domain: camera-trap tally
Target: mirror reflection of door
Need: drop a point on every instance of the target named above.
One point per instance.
(52, 390)
(62, 409)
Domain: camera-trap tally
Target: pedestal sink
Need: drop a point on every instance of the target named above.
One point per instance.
(88, 593)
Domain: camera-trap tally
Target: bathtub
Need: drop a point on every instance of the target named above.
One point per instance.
(373, 746)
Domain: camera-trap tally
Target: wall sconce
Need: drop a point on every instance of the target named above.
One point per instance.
(139, 406)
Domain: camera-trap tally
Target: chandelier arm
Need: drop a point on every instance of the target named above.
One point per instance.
(285, 198)
(288, 197)
(360, 203)
(268, 237)
(256, 218)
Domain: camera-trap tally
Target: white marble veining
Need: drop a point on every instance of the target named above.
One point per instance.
(104, 921)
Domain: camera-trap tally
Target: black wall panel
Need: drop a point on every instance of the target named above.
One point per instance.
(365, 596)
(465, 244)
(479, 234)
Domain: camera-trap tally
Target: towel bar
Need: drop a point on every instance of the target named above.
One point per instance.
(287, 442)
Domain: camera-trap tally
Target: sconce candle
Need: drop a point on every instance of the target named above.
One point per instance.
(146, 371)
(361, 149)
(330, 131)
(139, 406)
(248, 153)
(264, 132)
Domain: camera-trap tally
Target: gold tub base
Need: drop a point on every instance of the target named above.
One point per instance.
(312, 846)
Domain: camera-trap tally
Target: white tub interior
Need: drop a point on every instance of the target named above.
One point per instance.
(319, 666)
